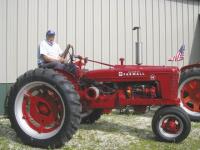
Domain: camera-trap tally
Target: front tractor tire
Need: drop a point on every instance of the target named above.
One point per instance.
(189, 92)
(171, 124)
(44, 108)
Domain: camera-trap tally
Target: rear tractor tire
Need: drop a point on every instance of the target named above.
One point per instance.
(44, 108)
(171, 124)
(189, 92)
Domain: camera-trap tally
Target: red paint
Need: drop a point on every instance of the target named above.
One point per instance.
(167, 77)
(41, 112)
(171, 125)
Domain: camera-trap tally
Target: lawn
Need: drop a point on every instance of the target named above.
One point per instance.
(111, 132)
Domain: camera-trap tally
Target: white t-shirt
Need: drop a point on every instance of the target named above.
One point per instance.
(47, 49)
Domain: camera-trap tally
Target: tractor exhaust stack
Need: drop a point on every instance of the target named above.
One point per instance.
(138, 47)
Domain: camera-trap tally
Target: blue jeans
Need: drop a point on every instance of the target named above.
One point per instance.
(57, 65)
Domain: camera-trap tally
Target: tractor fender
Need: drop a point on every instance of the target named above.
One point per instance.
(197, 65)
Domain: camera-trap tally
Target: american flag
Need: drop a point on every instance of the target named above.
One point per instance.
(179, 55)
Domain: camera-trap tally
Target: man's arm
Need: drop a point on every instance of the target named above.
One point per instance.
(48, 58)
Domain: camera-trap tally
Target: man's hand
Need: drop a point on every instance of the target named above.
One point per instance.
(61, 60)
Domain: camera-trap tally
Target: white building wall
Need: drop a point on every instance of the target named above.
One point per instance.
(99, 29)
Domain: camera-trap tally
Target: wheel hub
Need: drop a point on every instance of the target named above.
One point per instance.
(43, 111)
(171, 126)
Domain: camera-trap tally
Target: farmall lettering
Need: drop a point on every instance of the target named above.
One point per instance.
(130, 73)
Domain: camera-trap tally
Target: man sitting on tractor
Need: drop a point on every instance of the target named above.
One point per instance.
(50, 54)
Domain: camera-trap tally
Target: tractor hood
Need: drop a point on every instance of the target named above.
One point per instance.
(120, 73)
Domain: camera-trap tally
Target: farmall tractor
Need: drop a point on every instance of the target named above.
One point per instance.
(46, 106)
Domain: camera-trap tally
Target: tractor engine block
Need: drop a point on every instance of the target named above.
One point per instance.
(143, 90)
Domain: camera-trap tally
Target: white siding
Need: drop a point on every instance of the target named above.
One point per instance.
(89, 44)
(99, 29)
(3, 40)
(22, 36)
(11, 45)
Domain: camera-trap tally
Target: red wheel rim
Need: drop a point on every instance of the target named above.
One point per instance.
(170, 125)
(39, 110)
(190, 95)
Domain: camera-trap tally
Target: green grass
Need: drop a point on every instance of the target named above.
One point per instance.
(111, 132)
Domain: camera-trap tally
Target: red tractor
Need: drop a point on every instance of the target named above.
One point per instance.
(46, 106)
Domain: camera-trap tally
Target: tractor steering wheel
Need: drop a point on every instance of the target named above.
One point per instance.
(71, 54)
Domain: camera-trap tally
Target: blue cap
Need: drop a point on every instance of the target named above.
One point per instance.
(50, 33)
